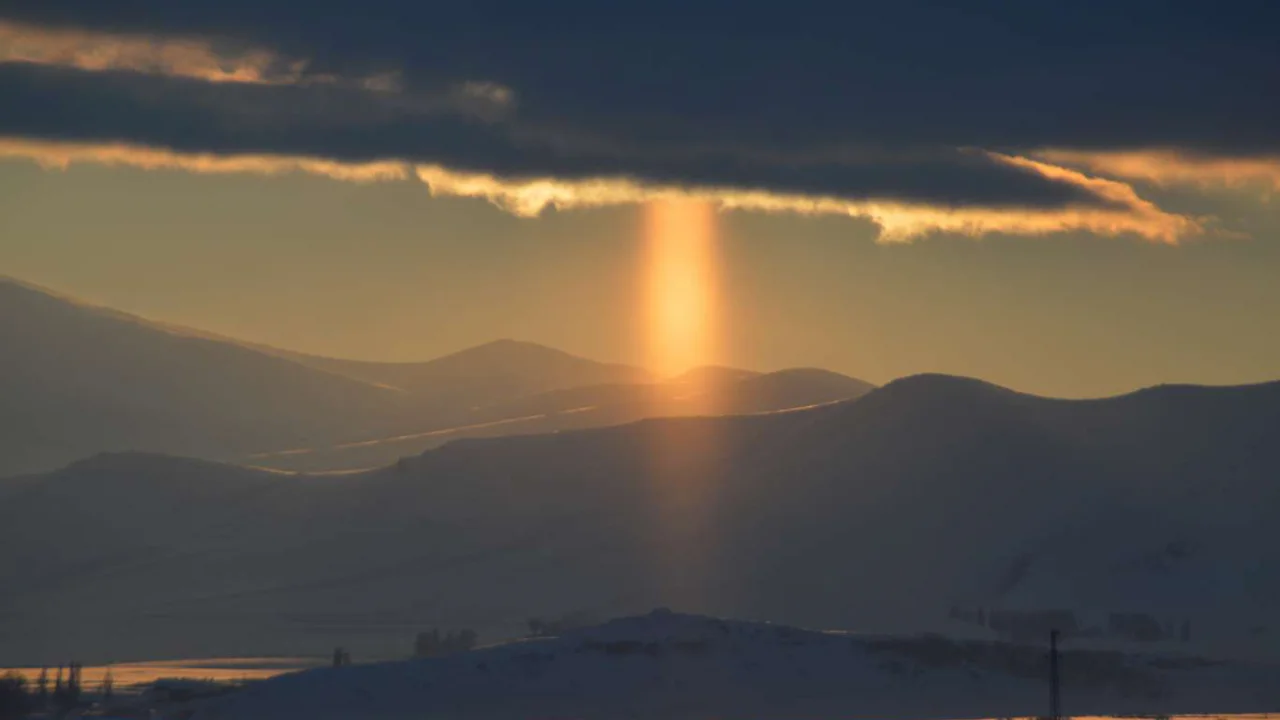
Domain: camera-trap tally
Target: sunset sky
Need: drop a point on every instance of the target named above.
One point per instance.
(1057, 197)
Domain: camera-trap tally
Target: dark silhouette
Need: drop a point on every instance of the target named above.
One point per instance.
(15, 701)
(66, 695)
(1055, 707)
(341, 657)
(42, 688)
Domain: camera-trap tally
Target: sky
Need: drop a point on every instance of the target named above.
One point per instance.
(1065, 198)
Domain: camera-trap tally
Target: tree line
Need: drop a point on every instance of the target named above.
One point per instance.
(19, 698)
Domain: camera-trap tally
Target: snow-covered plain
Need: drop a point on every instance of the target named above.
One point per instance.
(668, 666)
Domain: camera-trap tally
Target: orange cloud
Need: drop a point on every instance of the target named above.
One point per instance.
(899, 221)
(1169, 167)
(99, 51)
(528, 197)
(198, 59)
(60, 155)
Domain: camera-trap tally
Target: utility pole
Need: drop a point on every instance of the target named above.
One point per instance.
(1055, 707)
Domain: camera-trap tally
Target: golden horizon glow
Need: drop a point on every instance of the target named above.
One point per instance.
(680, 267)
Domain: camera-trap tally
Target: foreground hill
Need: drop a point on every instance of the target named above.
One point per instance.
(883, 513)
(78, 379)
(682, 667)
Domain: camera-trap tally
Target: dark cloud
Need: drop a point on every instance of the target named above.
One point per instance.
(355, 126)
(849, 99)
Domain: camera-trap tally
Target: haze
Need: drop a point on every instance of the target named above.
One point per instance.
(390, 360)
(386, 272)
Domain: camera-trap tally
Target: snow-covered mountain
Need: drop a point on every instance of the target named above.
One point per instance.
(665, 666)
(881, 514)
(77, 379)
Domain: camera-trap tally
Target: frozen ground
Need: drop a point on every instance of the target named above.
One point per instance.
(676, 667)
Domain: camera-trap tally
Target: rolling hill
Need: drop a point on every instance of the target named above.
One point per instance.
(879, 513)
(590, 406)
(77, 379)
(484, 374)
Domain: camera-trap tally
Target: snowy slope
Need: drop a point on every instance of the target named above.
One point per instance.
(668, 666)
(872, 515)
(77, 379)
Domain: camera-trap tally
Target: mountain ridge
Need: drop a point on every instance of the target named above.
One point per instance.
(80, 378)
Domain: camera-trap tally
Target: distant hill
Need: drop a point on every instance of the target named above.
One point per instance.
(719, 392)
(77, 379)
(884, 513)
(798, 387)
(487, 373)
(710, 376)
(666, 665)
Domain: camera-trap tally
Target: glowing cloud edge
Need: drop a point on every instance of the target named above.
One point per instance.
(1173, 167)
(529, 197)
(898, 221)
(200, 59)
(95, 51)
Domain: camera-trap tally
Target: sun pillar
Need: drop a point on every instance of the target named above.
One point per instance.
(681, 267)
(682, 328)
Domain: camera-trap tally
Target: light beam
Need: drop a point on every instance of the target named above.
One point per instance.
(681, 284)
(682, 328)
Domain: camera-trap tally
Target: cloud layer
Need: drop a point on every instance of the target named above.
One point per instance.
(530, 197)
(97, 51)
(917, 115)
